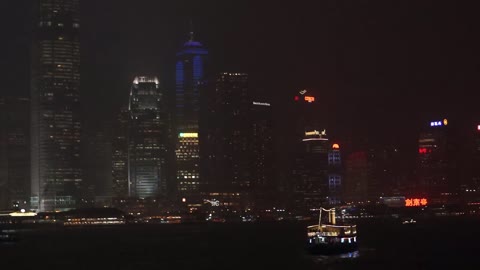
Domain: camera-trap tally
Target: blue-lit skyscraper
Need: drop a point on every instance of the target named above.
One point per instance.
(190, 75)
(147, 139)
(190, 78)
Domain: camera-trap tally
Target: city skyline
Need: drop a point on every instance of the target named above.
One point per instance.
(239, 134)
(327, 62)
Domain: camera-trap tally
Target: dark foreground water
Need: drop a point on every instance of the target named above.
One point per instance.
(438, 244)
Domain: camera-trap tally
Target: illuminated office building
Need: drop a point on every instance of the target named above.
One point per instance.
(56, 175)
(187, 155)
(147, 139)
(311, 171)
(438, 155)
(190, 76)
(314, 165)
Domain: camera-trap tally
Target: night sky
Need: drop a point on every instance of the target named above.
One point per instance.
(377, 67)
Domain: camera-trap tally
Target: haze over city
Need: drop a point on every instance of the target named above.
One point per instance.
(287, 117)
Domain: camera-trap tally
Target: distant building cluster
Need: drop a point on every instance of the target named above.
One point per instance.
(208, 145)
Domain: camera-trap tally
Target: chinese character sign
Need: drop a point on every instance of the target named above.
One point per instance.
(415, 202)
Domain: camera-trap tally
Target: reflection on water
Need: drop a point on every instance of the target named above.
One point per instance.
(323, 259)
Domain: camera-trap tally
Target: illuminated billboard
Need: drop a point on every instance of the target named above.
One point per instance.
(309, 99)
(439, 123)
(424, 150)
(261, 104)
(316, 132)
(188, 135)
(416, 202)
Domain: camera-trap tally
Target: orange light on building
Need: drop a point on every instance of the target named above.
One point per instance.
(309, 99)
(416, 202)
(336, 146)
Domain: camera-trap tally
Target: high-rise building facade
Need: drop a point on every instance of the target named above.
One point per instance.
(261, 152)
(190, 79)
(147, 139)
(120, 155)
(437, 163)
(56, 175)
(190, 76)
(310, 173)
(238, 144)
(357, 174)
(187, 156)
(335, 175)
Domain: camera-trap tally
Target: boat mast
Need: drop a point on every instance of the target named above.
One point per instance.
(320, 218)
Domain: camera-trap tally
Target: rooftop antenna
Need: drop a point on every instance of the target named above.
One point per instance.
(191, 31)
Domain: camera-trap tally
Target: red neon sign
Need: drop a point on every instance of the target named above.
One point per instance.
(309, 99)
(422, 150)
(416, 202)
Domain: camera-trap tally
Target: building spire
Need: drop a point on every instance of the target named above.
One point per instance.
(191, 31)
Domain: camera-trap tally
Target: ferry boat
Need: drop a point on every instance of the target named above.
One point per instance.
(331, 238)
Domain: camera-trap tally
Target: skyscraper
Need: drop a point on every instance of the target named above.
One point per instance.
(120, 155)
(238, 144)
(190, 78)
(437, 163)
(55, 100)
(147, 139)
(310, 173)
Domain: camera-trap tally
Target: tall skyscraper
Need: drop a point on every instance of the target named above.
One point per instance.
(147, 139)
(55, 114)
(120, 154)
(238, 145)
(315, 166)
(310, 173)
(190, 78)
(437, 163)
(261, 151)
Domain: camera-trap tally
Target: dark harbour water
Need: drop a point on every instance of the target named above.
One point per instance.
(437, 244)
